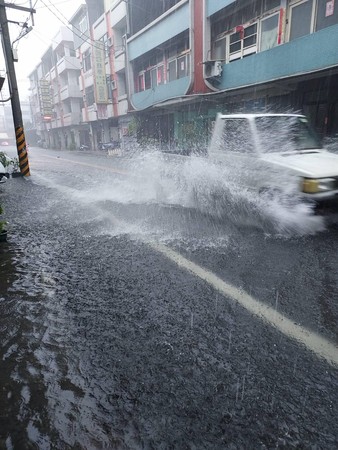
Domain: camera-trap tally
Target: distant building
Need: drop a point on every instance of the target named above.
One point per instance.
(56, 99)
(99, 41)
(161, 70)
(189, 59)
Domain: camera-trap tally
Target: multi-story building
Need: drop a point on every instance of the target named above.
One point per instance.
(34, 99)
(86, 49)
(99, 32)
(162, 69)
(56, 99)
(189, 59)
(275, 53)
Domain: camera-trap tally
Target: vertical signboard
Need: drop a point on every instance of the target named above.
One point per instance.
(101, 91)
(45, 100)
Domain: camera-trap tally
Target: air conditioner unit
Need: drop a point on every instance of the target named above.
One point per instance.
(214, 69)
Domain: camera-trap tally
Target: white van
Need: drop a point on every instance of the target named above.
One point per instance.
(277, 147)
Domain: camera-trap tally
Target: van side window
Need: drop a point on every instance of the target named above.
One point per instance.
(237, 136)
(285, 134)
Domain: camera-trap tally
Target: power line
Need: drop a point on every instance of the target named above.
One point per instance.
(26, 21)
(88, 40)
(58, 3)
(44, 40)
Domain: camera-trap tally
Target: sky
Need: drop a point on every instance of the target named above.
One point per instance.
(49, 17)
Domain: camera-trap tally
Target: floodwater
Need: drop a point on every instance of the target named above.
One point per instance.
(107, 344)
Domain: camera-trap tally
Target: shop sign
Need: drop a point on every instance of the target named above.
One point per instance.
(101, 91)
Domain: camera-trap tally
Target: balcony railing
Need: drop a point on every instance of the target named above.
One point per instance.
(71, 91)
(71, 118)
(68, 63)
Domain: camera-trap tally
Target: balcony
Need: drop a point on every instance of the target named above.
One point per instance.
(56, 98)
(71, 91)
(52, 73)
(144, 99)
(91, 115)
(34, 91)
(68, 63)
(120, 61)
(56, 123)
(122, 107)
(314, 52)
(71, 118)
(86, 79)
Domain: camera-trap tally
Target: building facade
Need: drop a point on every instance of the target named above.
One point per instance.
(161, 70)
(55, 98)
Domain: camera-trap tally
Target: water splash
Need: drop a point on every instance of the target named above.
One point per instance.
(177, 196)
(219, 191)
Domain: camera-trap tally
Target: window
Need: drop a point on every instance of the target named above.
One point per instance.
(269, 32)
(147, 80)
(327, 14)
(160, 74)
(153, 76)
(156, 75)
(270, 4)
(121, 83)
(83, 24)
(140, 80)
(86, 61)
(109, 87)
(181, 66)
(120, 31)
(90, 97)
(237, 136)
(301, 16)
(289, 134)
(250, 39)
(312, 15)
(178, 67)
(104, 40)
(219, 50)
(172, 70)
(235, 47)
(243, 42)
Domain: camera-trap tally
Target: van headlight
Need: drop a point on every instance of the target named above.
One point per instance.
(313, 186)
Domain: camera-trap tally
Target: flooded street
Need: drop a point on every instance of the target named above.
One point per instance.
(140, 309)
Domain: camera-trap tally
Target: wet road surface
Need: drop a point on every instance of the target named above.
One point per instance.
(107, 342)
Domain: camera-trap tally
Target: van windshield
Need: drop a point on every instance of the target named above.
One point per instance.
(285, 134)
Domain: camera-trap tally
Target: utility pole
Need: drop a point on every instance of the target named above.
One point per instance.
(13, 87)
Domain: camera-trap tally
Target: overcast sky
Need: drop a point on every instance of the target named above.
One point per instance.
(48, 19)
